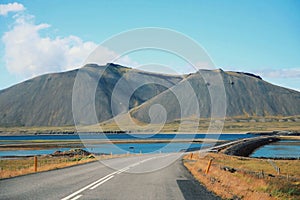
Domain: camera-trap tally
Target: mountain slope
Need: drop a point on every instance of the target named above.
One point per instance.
(47, 100)
(246, 95)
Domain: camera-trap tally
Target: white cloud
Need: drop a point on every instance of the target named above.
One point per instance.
(28, 53)
(280, 73)
(10, 7)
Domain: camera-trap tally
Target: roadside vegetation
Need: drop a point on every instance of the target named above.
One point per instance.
(233, 177)
(25, 165)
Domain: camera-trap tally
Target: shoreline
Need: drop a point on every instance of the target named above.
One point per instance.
(142, 133)
(74, 132)
(112, 133)
(80, 144)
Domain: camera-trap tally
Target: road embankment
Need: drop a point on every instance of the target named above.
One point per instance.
(246, 147)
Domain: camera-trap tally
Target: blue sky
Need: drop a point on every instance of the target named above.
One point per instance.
(261, 37)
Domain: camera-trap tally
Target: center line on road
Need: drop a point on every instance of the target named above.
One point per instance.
(122, 170)
(101, 182)
(77, 197)
(105, 178)
(86, 187)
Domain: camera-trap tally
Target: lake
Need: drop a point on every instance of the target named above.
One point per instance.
(281, 149)
(132, 148)
(121, 148)
(227, 136)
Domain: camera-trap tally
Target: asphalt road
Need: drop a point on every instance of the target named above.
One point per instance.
(141, 177)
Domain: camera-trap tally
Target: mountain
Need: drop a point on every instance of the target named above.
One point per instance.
(245, 95)
(47, 100)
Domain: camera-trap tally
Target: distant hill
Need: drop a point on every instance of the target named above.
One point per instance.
(246, 95)
(47, 100)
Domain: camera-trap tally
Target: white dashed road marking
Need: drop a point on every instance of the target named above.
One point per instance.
(101, 182)
(76, 195)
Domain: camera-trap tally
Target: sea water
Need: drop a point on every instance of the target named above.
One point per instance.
(281, 149)
(118, 148)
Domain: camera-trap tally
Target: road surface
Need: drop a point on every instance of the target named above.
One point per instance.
(133, 177)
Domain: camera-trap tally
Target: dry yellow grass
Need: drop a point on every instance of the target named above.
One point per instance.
(247, 182)
(287, 167)
(21, 166)
(37, 129)
(17, 167)
(237, 124)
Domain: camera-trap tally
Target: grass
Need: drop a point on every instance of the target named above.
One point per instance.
(287, 167)
(247, 182)
(237, 124)
(284, 189)
(36, 130)
(21, 166)
(234, 125)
